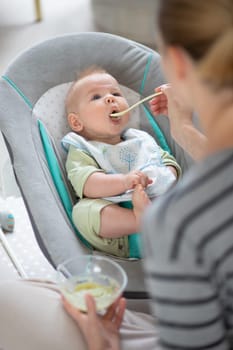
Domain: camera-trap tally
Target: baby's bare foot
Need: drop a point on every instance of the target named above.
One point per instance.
(140, 201)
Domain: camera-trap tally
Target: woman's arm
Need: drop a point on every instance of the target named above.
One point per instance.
(191, 140)
(100, 332)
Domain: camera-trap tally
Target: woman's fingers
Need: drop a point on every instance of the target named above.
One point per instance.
(90, 318)
(72, 311)
(158, 99)
(110, 314)
(115, 312)
(120, 312)
(167, 92)
(91, 306)
(78, 315)
(158, 104)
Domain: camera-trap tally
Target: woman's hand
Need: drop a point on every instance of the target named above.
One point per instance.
(100, 332)
(159, 104)
(180, 117)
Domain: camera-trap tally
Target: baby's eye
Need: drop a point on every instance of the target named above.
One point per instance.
(96, 97)
(117, 94)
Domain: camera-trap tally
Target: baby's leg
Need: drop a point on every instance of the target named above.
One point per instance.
(103, 225)
(140, 201)
(106, 225)
(104, 218)
(117, 222)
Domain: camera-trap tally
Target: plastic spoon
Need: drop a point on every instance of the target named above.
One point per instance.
(118, 114)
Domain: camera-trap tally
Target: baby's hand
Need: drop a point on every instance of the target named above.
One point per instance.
(135, 178)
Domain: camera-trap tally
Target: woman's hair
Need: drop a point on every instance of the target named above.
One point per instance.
(204, 28)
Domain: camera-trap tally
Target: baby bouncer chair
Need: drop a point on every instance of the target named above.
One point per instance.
(32, 120)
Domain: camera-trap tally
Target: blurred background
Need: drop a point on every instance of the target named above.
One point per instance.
(24, 23)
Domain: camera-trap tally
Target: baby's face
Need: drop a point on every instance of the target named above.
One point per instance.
(96, 97)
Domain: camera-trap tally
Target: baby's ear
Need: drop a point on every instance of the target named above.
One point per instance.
(74, 122)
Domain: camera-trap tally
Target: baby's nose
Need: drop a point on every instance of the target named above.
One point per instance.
(109, 99)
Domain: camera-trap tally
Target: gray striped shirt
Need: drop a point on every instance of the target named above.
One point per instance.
(188, 242)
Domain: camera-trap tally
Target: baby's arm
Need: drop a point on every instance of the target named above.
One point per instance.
(88, 180)
(104, 185)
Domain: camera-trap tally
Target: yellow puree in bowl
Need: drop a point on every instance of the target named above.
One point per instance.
(104, 295)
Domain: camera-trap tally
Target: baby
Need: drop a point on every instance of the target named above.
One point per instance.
(106, 162)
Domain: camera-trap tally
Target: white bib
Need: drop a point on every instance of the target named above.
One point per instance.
(137, 151)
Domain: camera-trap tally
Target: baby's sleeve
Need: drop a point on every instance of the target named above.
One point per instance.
(169, 160)
(79, 166)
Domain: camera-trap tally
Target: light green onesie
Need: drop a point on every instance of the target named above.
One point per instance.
(86, 212)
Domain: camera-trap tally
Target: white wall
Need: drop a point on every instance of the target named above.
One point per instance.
(17, 12)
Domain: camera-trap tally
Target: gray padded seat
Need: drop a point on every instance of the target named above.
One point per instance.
(27, 78)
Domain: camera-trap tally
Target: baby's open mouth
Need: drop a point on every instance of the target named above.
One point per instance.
(111, 115)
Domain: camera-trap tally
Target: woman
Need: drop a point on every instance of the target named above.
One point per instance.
(190, 268)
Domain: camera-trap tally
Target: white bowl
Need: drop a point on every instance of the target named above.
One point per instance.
(88, 274)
